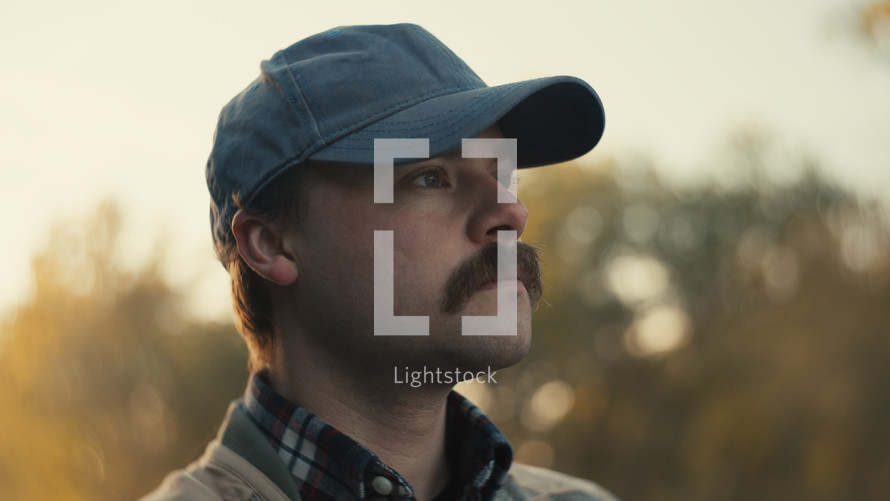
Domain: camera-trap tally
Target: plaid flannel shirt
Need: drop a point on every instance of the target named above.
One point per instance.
(328, 465)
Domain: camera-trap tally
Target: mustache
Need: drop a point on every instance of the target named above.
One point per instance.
(483, 268)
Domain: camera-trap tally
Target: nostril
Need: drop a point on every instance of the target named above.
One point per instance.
(494, 231)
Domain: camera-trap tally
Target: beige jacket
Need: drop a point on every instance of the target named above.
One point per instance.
(241, 465)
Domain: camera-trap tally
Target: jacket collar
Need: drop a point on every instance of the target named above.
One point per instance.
(242, 436)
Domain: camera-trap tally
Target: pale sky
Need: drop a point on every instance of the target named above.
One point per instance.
(104, 99)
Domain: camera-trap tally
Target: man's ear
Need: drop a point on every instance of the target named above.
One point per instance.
(262, 247)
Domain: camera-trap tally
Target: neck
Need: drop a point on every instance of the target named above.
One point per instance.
(404, 426)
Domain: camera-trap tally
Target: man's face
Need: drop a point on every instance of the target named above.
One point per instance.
(445, 211)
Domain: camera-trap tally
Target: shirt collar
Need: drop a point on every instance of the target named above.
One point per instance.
(326, 463)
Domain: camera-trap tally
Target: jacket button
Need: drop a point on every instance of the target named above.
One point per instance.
(382, 485)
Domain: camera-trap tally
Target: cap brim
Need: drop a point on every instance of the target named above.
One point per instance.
(554, 120)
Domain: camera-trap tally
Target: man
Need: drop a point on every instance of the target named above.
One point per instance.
(330, 249)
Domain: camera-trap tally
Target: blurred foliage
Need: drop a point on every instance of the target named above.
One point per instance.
(104, 386)
(718, 342)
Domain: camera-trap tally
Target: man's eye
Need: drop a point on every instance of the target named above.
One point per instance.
(433, 178)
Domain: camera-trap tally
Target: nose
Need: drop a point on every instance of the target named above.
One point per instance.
(489, 216)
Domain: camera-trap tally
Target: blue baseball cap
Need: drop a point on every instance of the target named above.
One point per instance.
(327, 97)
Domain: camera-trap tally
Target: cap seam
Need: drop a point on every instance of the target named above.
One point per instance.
(497, 96)
(427, 37)
(386, 112)
(462, 119)
(296, 99)
(319, 122)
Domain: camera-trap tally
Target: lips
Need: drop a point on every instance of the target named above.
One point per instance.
(491, 282)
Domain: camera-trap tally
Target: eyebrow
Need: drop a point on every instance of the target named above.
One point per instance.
(453, 154)
(457, 154)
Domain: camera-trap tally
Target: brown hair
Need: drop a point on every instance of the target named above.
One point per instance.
(254, 316)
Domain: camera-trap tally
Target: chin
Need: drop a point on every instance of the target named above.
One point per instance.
(478, 353)
(448, 349)
(498, 352)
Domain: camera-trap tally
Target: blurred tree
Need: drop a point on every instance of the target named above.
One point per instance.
(711, 342)
(105, 385)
